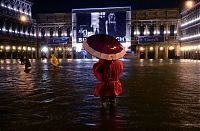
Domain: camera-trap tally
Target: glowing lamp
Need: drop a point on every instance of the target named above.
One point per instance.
(189, 4)
(23, 18)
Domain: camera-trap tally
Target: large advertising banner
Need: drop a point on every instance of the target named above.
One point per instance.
(114, 21)
(111, 23)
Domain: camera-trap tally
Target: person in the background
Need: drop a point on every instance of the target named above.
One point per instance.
(108, 73)
(22, 59)
(111, 28)
(54, 60)
(27, 63)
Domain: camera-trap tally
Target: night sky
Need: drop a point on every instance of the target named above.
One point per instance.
(61, 6)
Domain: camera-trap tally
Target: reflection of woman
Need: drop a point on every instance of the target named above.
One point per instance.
(111, 25)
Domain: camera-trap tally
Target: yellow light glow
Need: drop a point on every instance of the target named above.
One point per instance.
(19, 48)
(171, 48)
(14, 48)
(151, 48)
(7, 47)
(23, 18)
(29, 48)
(141, 48)
(161, 48)
(24, 48)
(60, 49)
(189, 4)
(33, 49)
(1, 47)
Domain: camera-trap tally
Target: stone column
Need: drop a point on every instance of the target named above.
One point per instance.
(64, 52)
(156, 52)
(166, 52)
(178, 51)
(146, 52)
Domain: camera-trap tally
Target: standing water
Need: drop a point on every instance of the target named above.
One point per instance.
(157, 95)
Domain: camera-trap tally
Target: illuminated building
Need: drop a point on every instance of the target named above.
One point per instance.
(190, 32)
(154, 33)
(149, 33)
(17, 30)
(54, 35)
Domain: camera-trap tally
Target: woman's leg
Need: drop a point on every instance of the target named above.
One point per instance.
(103, 102)
(112, 100)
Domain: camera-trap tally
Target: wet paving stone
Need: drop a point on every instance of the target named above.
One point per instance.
(157, 95)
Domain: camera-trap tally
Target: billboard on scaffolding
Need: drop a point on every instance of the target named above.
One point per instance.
(114, 21)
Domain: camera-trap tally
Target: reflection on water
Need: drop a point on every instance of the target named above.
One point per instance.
(157, 95)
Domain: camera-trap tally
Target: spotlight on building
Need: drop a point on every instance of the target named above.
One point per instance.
(33, 49)
(141, 48)
(151, 48)
(13, 47)
(44, 49)
(171, 48)
(7, 47)
(24, 48)
(29, 48)
(161, 48)
(19, 48)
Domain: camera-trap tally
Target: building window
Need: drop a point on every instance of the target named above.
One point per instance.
(162, 29)
(141, 30)
(33, 30)
(51, 32)
(132, 31)
(68, 32)
(151, 29)
(59, 32)
(172, 30)
(42, 32)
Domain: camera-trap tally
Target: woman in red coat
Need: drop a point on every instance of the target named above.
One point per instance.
(108, 73)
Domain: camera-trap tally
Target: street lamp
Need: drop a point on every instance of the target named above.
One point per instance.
(189, 4)
(23, 18)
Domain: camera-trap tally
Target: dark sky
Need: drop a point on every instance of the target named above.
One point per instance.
(61, 6)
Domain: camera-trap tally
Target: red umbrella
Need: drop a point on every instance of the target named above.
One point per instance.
(104, 47)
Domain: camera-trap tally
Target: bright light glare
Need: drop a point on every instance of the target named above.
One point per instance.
(171, 48)
(189, 4)
(45, 49)
(23, 18)
(161, 48)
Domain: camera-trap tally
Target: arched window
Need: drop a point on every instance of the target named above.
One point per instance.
(172, 30)
(151, 30)
(29, 29)
(14, 26)
(1, 23)
(141, 30)
(59, 32)
(68, 32)
(162, 29)
(51, 32)
(42, 32)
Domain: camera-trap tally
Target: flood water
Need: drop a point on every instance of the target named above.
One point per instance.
(157, 95)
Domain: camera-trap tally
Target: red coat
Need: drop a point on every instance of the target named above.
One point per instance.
(108, 73)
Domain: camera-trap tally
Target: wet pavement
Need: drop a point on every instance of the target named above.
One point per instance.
(157, 95)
